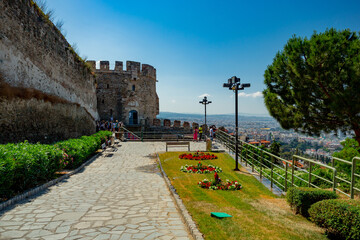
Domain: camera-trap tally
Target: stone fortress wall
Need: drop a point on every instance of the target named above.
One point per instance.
(127, 95)
(47, 92)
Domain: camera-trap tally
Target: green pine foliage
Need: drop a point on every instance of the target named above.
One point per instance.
(340, 218)
(350, 150)
(301, 199)
(312, 84)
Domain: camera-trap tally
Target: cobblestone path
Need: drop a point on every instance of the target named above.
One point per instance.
(121, 196)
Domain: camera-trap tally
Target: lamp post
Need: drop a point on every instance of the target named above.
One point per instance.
(205, 102)
(234, 84)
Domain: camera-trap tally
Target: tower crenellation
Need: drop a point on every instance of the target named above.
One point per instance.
(148, 70)
(133, 67)
(104, 65)
(119, 66)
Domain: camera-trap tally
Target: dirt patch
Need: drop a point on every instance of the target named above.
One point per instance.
(207, 207)
(272, 207)
(150, 168)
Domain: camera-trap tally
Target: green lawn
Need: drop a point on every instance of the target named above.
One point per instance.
(257, 213)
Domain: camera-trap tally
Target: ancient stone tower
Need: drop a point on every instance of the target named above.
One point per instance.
(128, 96)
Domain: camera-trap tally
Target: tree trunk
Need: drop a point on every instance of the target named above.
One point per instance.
(356, 129)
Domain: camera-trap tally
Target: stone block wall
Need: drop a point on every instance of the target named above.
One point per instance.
(156, 122)
(177, 124)
(167, 123)
(186, 125)
(64, 120)
(195, 125)
(35, 56)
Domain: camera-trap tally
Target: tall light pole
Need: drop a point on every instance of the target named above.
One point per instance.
(205, 102)
(234, 84)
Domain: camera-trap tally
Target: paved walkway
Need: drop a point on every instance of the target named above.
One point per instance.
(121, 196)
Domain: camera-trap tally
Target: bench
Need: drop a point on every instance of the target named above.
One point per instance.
(169, 144)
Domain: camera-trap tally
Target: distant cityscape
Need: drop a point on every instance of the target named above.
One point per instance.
(258, 128)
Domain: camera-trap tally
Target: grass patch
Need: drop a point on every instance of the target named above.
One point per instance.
(257, 213)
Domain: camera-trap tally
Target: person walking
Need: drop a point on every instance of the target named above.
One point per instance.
(211, 133)
(117, 126)
(200, 133)
(195, 134)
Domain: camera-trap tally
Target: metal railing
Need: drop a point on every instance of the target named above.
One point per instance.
(164, 135)
(285, 173)
(129, 135)
(155, 135)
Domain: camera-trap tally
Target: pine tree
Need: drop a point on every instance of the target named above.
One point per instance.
(313, 84)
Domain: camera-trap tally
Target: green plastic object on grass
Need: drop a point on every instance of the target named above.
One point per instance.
(220, 215)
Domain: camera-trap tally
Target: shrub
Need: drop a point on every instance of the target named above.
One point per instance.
(25, 165)
(103, 135)
(341, 218)
(78, 150)
(300, 199)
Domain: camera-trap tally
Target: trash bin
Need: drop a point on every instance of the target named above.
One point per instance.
(117, 135)
(208, 145)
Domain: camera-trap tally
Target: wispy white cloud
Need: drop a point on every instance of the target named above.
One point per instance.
(253, 95)
(204, 95)
(173, 101)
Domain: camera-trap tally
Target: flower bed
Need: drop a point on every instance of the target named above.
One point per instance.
(213, 185)
(198, 156)
(199, 168)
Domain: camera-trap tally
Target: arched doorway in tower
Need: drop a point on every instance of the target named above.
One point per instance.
(133, 117)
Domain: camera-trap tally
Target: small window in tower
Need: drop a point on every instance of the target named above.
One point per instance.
(133, 87)
(107, 85)
(102, 101)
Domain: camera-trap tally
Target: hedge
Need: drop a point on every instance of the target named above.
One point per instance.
(340, 218)
(300, 199)
(78, 150)
(25, 165)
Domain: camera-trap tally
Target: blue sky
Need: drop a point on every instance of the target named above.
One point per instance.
(197, 45)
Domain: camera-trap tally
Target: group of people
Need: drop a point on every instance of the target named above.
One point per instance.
(199, 131)
(111, 125)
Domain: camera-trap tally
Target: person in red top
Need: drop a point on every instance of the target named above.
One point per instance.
(195, 134)
(217, 179)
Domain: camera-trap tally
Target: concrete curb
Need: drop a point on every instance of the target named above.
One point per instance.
(38, 189)
(194, 231)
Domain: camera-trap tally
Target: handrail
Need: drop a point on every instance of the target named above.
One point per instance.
(353, 175)
(127, 130)
(340, 160)
(312, 161)
(259, 161)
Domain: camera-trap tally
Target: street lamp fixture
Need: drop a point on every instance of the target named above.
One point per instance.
(205, 102)
(235, 85)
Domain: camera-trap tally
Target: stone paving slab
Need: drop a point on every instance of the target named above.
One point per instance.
(122, 196)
